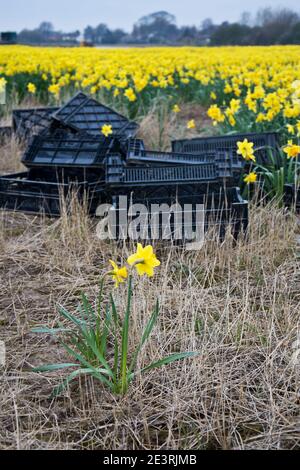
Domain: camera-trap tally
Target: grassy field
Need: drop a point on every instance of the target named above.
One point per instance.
(237, 304)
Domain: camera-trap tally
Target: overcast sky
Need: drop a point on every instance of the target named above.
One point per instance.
(76, 14)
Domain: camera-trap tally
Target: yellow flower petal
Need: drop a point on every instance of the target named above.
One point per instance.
(144, 260)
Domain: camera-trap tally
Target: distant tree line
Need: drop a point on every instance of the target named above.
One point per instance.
(269, 26)
(45, 34)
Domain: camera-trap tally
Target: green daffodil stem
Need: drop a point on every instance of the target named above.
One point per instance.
(101, 283)
(124, 379)
(99, 305)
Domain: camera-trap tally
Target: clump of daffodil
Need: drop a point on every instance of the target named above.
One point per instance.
(245, 149)
(291, 149)
(99, 341)
(107, 130)
(191, 124)
(144, 260)
(31, 88)
(251, 178)
(176, 108)
(118, 274)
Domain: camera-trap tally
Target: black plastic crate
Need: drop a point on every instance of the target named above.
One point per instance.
(292, 196)
(262, 143)
(66, 149)
(128, 131)
(136, 153)
(117, 173)
(27, 122)
(21, 192)
(84, 113)
(67, 175)
(224, 208)
(135, 147)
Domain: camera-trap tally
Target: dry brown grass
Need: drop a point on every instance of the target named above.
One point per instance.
(10, 154)
(237, 304)
(159, 127)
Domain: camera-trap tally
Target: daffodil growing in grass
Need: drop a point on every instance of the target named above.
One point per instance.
(118, 274)
(31, 88)
(96, 337)
(281, 168)
(191, 124)
(144, 260)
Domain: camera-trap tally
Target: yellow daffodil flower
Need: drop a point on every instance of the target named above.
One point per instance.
(31, 88)
(54, 90)
(215, 113)
(2, 84)
(191, 124)
(251, 178)
(107, 130)
(144, 260)
(291, 150)
(130, 95)
(245, 149)
(118, 274)
(290, 129)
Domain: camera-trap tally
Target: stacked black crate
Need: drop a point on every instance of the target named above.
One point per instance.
(65, 151)
(154, 178)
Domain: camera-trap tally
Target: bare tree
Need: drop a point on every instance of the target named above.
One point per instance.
(157, 28)
(246, 18)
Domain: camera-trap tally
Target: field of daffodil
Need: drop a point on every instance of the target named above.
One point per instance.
(243, 88)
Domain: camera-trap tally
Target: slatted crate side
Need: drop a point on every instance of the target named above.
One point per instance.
(66, 149)
(26, 122)
(221, 211)
(31, 204)
(227, 164)
(19, 192)
(84, 113)
(117, 172)
(292, 196)
(170, 174)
